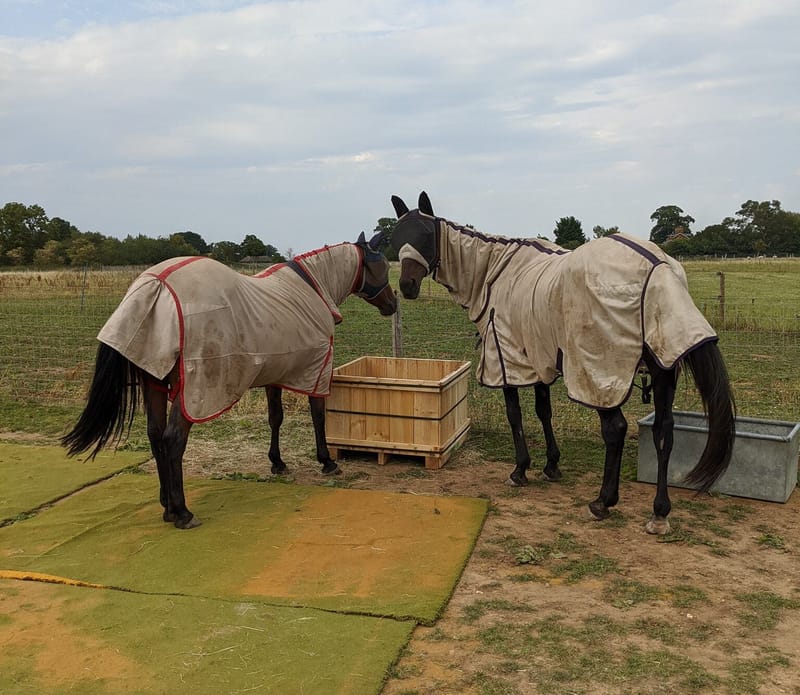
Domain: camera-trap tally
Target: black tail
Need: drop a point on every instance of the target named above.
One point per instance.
(711, 378)
(110, 406)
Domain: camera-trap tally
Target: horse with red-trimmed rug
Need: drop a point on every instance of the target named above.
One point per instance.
(195, 332)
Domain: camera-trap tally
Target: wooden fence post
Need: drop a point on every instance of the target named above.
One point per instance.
(397, 331)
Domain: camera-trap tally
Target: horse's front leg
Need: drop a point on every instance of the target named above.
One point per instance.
(522, 457)
(317, 406)
(173, 446)
(275, 418)
(614, 426)
(663, 425)
(544, 412)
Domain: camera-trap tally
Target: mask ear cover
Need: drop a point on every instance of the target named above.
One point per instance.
(400, 207)
(424, 204)
(420, 232)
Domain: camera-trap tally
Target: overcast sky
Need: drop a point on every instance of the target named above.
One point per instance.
(296, 121)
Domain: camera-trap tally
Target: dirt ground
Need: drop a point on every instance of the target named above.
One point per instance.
(553, 602)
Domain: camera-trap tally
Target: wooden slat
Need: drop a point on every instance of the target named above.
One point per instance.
(399, 404)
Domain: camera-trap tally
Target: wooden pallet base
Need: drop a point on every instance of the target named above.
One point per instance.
(433, 460)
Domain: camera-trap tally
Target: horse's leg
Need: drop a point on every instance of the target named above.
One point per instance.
(613, 426)
(275, 417)
(173, 444)
(663, 425)
(522, 457)
(317, 406)
(544, 412)
(155, 399)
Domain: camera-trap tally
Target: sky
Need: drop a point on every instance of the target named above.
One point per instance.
(296, 121)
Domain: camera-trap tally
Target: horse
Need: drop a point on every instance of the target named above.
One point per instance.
(194, 332)
(591, 316)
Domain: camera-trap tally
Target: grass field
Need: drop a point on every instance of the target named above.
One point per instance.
(48, 321)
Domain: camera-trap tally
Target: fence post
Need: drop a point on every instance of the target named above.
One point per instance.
(721, 298)
(397, 331)
(83, 285)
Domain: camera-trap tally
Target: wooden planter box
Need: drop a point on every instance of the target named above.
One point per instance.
(763, 465)
(392, 405)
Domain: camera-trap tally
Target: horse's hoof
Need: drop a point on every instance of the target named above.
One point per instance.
(517, 480)
(277, 469)
(331, 469)
(191, 522)
(657, 526)
(598, 511)
(552, 477)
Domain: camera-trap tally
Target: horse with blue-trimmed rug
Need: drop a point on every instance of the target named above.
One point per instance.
(592, 316)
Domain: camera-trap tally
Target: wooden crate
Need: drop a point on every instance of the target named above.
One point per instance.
(393, 405)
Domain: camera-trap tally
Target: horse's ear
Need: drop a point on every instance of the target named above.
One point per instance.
(399, 206)
(378, 240)
(361, 239)
(425, 204)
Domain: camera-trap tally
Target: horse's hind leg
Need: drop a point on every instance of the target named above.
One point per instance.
(168, 442)
(522, 457)
(544, 412)
(173, 442)
(663, 425)
(317, 406)
(275, 417)
(614, 426)
(154, 394)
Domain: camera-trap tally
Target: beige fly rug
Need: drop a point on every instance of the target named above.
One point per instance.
(542, 311)
(230, 332)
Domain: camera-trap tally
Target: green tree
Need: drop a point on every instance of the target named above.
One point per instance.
(387, 224)
(252, 246)
(23, 229)
(82, 251)
(569, 233)
(51, 254)
(194, 240)
(59, 229)
(714, 240)
(16, 256)
(112, 252)
(669, 219)
(226, 252)
(684, 246)
(764, 228)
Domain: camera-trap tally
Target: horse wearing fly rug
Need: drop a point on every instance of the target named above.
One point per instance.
(592, 316)
(193, 331)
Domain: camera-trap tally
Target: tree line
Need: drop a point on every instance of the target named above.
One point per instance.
(28, 237)
(757, 229)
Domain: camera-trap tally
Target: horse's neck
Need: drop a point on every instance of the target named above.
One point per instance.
(467, 262)
(333, 269)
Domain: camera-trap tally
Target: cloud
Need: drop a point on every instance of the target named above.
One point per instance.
(515, 114)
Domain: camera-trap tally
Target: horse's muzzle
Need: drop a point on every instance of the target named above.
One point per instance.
(385, 301)
(410, 288)
(412, 273)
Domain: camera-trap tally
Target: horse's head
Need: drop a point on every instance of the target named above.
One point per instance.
(375, 287)
(416, 241)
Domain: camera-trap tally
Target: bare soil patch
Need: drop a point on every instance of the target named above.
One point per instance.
(554, 602)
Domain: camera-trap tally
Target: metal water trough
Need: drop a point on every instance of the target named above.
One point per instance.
(764, 462)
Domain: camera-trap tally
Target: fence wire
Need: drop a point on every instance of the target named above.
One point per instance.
(49, 320)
